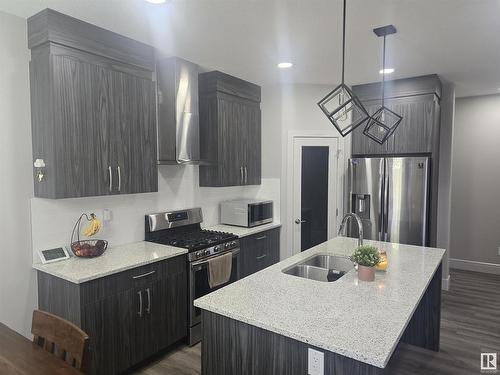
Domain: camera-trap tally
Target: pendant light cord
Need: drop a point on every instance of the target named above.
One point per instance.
(343, 41)
(383, 74)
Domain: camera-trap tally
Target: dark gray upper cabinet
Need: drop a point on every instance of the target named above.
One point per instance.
(417, 100)
(134, 134)
(230, 131)
(51, 26)
(93, 109)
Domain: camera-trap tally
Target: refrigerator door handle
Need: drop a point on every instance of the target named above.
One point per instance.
(380, 211)
(386, 205)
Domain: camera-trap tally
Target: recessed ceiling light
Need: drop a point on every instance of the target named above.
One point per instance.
(386, 71)
(285, 65)
(156, 1)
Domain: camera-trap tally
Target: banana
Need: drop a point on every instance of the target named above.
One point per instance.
(93, 227)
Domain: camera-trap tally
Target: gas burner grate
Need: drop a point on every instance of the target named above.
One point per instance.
(195, 240)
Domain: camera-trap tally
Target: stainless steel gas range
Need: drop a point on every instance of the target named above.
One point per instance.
(182, 229)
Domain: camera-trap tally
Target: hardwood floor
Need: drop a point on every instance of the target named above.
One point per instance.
(470, 324)
(181, 361)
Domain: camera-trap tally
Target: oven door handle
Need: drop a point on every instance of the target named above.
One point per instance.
(198, 265)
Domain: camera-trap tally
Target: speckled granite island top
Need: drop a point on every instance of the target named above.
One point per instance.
(115, 259)
(360, 320)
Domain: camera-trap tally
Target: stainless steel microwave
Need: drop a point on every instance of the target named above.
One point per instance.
(246, 212)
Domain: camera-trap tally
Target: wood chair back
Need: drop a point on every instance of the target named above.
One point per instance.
(61, 338)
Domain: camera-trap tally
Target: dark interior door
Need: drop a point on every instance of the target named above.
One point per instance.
(314, 196)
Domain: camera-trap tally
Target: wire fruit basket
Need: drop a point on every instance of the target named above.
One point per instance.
(86, 248)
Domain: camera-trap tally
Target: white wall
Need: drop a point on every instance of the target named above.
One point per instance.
(445, 169)
(17, 280)
(53, 220)
(475, 203)
(294, 107)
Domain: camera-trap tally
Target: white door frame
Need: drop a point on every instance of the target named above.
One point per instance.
(288, 219)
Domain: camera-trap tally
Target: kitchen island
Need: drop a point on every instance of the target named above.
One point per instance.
(265, 323)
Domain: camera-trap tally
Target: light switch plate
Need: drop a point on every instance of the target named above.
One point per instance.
(315, 362)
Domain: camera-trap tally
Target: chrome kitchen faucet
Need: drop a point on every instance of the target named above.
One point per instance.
(360, 226)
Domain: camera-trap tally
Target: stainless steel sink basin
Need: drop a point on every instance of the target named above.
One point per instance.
(330, 262)
(321, 267)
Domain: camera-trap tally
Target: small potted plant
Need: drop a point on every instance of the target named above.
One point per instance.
(366, 257)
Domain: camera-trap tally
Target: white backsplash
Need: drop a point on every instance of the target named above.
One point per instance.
(52, 220)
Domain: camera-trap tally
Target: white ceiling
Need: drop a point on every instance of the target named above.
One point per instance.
(457, 39)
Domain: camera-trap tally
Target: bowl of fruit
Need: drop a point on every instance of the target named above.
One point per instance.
(88, 248)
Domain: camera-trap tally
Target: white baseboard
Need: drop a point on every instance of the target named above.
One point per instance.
(470, 265)
(445, 283)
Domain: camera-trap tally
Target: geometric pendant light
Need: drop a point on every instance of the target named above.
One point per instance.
(344, 109)
(383, 122)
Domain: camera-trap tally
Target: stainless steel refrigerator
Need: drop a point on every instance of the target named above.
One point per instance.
(391, 195)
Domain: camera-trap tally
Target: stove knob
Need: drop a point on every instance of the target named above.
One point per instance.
(216, 248)
(199, 254)
(233, 243)
(207, 252)
(227, 245)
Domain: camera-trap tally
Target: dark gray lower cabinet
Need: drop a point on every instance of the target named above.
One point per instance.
(129, 316)
(110, 323)
(259, 251)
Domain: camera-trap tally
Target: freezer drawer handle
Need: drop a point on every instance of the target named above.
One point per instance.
(261, 257)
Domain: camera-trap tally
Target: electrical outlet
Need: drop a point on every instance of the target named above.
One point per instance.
(315, 362)
(107, 215)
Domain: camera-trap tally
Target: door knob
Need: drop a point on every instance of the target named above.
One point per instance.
(299, 221)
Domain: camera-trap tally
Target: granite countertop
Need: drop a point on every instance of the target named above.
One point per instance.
(360, 320)
(242, 231)
(114, 260)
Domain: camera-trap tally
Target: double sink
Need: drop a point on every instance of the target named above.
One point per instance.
(321, 267)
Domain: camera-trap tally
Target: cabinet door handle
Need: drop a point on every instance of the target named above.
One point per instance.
(261, 257)
(140, 304)
(110, 178)
(246, 175)
(119, 178)
(143, 275)
(148, 292)
(261, 238)
(241, 175)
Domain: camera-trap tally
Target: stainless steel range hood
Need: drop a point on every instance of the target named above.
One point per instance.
(178, 115)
